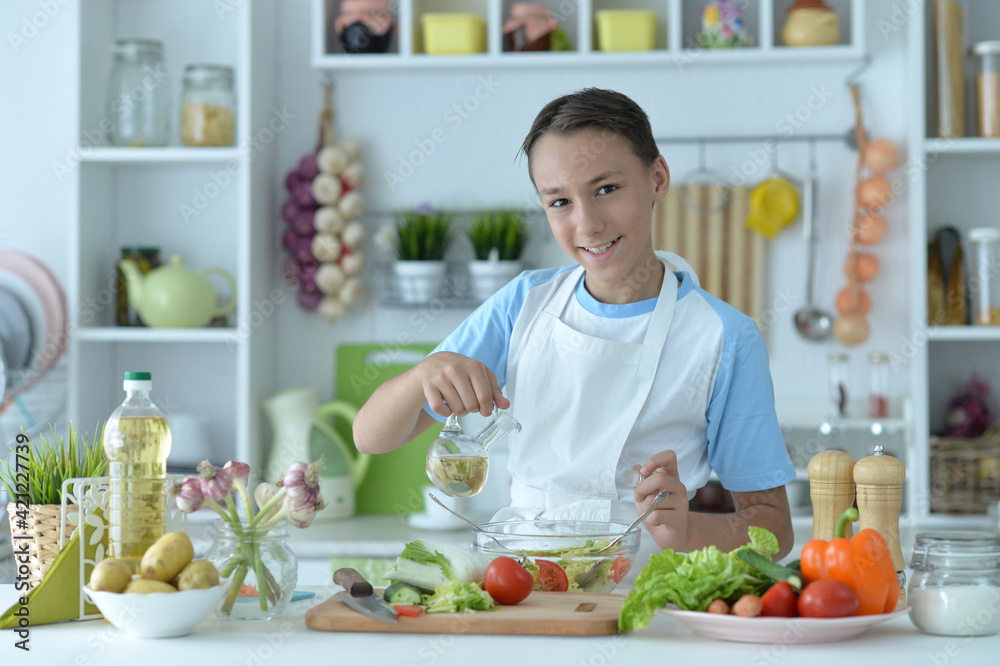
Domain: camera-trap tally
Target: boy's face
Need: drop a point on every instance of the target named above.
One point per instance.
(598, 197)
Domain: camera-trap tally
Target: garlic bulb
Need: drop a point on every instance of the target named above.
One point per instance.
(351, 148)
(355, 173)
(351, 204)
(326, 247)
(329, 278)
(352, 291)
(326, 189)
(332, 160)
(332, 308)
(353, 234)
(328, 220)
(352, 263)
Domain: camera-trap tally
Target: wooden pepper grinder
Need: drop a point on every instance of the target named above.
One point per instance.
(879, 479)
(831, 489)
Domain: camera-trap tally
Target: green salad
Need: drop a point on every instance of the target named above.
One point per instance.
(585, 571)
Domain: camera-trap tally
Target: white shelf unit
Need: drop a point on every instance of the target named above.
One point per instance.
(955, 185)
(678, 25)
(137, 196)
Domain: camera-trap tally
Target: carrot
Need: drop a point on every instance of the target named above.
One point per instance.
(749, 605)
(719, 607)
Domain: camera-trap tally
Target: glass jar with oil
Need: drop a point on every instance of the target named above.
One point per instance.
(137, 442)
(459, 464)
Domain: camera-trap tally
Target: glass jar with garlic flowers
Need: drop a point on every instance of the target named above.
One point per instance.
(250, 546)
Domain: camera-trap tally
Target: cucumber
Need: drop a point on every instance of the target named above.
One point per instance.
(772, 570)
(402, 593)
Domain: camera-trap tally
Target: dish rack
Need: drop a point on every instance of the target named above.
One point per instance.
(91, 496)
(33, 400)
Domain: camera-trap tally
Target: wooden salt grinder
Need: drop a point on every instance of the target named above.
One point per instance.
(879, 479)
(831, 489)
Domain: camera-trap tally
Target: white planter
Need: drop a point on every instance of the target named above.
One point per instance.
(419, 281)
(487, 277)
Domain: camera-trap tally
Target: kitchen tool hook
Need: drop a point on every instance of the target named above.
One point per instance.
(704, 176)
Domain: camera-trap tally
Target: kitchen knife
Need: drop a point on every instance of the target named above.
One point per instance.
(360, 595)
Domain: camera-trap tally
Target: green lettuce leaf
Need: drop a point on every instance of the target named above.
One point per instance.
(693, 580)
(417, 551)
(458, 598)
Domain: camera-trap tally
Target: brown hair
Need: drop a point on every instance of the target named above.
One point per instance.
(595, 108)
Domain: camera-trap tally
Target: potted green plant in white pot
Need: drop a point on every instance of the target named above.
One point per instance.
(423, 236)
(498, 239)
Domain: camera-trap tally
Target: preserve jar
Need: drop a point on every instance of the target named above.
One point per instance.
(985, 286)
(988, 87)
(208, 106)
(955, 587)
(138, 102)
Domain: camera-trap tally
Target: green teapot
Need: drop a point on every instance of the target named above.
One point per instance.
(175, 296)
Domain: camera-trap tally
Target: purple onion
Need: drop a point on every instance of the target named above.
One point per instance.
(303, 222)
(290, 240)
(307, 279)
(304, 196)
(294, 179)
(310, 301)
(290, 270)
(290, 210)
(308, 168)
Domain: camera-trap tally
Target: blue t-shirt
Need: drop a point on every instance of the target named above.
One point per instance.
(715, 362)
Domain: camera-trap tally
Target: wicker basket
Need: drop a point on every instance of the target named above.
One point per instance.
(965, 473)
(40, 532)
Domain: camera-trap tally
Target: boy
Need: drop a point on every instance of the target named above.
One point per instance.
(616, 363)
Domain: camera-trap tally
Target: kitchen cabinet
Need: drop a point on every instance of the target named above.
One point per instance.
(678, 23)
(212, 206)
(950, 182)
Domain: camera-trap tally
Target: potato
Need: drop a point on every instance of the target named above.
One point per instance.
(167, 557)
(145, 586)
(110, 575)
(198, 575)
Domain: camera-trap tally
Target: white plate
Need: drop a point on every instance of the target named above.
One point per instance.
(38, 290)
(784, 630)
(19, 287)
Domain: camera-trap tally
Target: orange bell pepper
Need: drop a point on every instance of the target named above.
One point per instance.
(863, 562)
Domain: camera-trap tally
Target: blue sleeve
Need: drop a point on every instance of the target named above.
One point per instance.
(485, 334)
(745, 446)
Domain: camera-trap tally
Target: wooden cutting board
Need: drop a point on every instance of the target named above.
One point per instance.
(542, 613)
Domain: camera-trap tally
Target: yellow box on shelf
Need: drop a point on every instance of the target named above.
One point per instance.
(453, 33)
(626, 30)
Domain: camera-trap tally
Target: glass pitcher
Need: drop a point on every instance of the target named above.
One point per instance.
(458, 464)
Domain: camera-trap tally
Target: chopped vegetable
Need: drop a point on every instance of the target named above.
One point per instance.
(457, 597)
(401, 593)
(748, 606)
(426, 564)
(863, 562)
(408, 610)
(694, 580)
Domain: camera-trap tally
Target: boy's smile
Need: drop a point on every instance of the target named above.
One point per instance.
(598, 198)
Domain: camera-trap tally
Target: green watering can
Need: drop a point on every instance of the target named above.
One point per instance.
(302, 431)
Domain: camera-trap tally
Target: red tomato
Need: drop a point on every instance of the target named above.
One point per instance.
(620, 567)
(507, 581)
(779, 601)
(551, 576)
(407, 610)
(827, 598)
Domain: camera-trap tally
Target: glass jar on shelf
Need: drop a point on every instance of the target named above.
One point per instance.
(878, 385)
(838, 365)
(988, 87)
(146, 258)
(138, 102)
(985, 287)
(208, 106)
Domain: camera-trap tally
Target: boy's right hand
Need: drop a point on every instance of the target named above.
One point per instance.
(457, 384)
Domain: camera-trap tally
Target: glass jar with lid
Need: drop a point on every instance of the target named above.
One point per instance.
(138, 102)
(208, 106)
(838, 364)
(955, 587)
(988, 87)
(985, 287)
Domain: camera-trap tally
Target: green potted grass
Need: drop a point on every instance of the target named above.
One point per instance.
(498, 239)
(422, 238)
(49, 462)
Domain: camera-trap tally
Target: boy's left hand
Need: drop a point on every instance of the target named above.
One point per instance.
(669, 521)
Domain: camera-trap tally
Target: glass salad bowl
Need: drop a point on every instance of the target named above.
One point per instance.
(562, 554)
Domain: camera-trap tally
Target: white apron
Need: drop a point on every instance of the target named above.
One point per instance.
(577, 398)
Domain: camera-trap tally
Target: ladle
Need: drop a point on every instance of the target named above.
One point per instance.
(811, 322)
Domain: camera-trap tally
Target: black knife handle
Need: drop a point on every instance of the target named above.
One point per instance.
(353, 582)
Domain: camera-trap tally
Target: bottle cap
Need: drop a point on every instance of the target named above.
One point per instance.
(138, 381)
(138, 376)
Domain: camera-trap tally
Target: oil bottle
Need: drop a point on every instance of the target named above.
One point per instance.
(136, 442)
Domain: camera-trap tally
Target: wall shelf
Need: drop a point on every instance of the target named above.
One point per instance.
(963, 333)
(220, 335)
(963, 146)
(167, 155)
(678, 25)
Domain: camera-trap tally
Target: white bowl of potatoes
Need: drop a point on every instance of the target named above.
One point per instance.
(170, 596)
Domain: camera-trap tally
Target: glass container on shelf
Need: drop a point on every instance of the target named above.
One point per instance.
(878, 387)
(146, 258)
(985, 287)
(949, 53)
(208, 106)
(138, 102)
(838, 364)
(988, 87)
